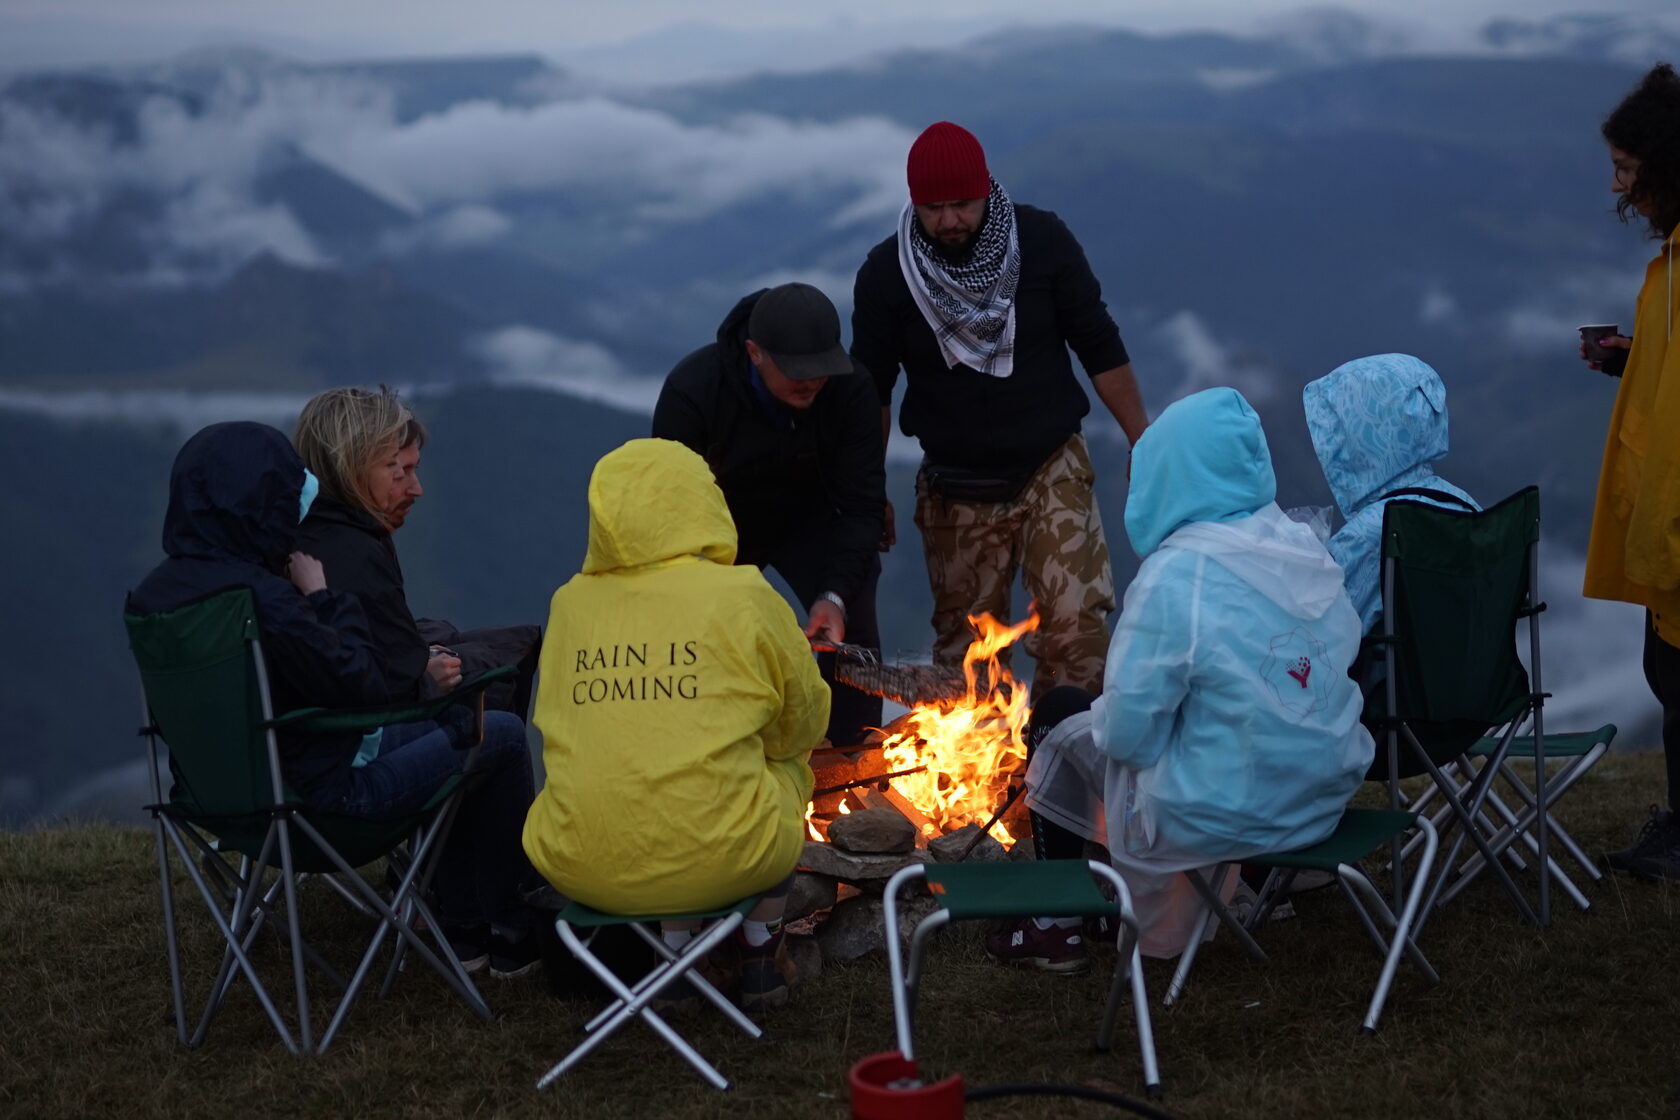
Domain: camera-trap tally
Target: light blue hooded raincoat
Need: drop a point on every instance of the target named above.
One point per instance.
(1376, 423)
(1227, 724)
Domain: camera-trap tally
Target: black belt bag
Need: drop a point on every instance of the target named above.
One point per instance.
(960, 484)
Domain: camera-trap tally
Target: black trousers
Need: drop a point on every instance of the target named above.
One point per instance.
(1662, 673)
(802, 558)
(1052, 841)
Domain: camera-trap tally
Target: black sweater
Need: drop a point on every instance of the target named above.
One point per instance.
(961, 416)
(358, 556)
(774, 470)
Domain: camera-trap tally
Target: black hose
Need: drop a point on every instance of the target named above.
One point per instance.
(1085, 1092)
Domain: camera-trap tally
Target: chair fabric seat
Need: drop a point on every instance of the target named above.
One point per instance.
(1572, 745)
(358, 840)
(1359, 833)
(1008, 890)
(587, 917)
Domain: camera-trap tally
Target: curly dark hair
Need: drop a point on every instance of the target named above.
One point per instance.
(1646, 125)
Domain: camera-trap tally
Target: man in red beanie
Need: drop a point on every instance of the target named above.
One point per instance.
(979, 299)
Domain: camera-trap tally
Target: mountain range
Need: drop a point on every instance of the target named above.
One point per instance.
(526, 249)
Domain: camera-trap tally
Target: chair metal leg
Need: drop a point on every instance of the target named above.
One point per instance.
(1465, 815)
(305, 1028)
(1212, 895)
(171, 945)
(1503, 839)
(389, 922)
(716, 998)
(1403, 929)
(635, 1004)
(896, 977)
(1362, 887)
(1128, 966)
(918, 954)
(1560, 784)
(234, 951)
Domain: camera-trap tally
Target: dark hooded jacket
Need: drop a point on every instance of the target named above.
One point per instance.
(774, 466)
(358, 555)
(232, 522)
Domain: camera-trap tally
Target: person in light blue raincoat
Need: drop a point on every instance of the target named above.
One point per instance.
(1377, 423)
(1227, 725)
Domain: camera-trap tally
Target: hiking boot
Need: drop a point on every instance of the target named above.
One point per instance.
(766, 973)
(1659, 833)
(1057, 949)
(471, 944)
(512, 958)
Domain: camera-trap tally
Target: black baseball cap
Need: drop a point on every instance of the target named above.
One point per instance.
(799, 328)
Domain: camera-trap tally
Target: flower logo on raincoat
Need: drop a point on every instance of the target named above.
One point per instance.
(1293, 672)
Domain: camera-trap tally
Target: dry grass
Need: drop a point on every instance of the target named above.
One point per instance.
(1573, 1021)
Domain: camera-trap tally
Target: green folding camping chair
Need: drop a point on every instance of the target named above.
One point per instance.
(205, 696)
(1054, 888)
(1456, 586)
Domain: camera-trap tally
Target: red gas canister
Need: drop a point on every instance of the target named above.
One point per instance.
(886, 1086)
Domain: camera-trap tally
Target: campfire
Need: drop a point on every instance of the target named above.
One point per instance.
(947, 762)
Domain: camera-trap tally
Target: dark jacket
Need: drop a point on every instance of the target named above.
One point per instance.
(776, 466)
(232, 522)
(358, 555)
(966, 418)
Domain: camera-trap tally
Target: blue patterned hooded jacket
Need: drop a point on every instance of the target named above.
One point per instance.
(1376, 424)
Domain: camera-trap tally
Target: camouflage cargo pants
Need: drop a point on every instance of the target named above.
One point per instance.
(1052, 534)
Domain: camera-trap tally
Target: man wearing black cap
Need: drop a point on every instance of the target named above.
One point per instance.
(799, 460)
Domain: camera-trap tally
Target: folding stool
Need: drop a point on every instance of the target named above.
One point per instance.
(1359, 833)
(1050, 888)
(635, 1001)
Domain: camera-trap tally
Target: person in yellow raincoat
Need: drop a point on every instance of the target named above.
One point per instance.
(679, 703)
(1633, 554)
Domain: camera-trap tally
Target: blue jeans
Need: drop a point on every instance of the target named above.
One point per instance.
(482, 869)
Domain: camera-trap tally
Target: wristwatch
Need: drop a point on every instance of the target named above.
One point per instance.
(836, 600)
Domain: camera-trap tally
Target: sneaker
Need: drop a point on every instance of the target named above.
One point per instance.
(1659, 832)
(1312, 880)
(1244, 901)
(766, 973)
(1057, 949)
(471, 944)
(514, 958)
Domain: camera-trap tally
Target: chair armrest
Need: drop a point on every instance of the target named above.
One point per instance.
(318, 721)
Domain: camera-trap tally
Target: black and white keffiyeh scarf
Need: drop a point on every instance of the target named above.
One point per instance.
(970, 306)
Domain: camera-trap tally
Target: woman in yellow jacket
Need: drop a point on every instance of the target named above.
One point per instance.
(678, 703)
(1634, 552)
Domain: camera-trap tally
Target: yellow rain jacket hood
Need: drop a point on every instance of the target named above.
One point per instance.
(678, 703)
(1633, 554)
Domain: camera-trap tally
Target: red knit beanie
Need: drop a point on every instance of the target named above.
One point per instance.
(946, 164)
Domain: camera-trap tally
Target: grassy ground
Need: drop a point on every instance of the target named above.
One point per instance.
(1576, 1020)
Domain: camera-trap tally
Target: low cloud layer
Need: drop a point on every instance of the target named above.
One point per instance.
(1208, 363)
(175, 189)
(526, 357)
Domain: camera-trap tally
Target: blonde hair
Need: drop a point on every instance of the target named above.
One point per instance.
(342, 432)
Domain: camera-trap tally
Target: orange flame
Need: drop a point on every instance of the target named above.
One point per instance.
(970, 747)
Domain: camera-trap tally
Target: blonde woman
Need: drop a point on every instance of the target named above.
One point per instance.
(365, 446)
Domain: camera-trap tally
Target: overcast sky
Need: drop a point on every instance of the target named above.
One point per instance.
(55, 32)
